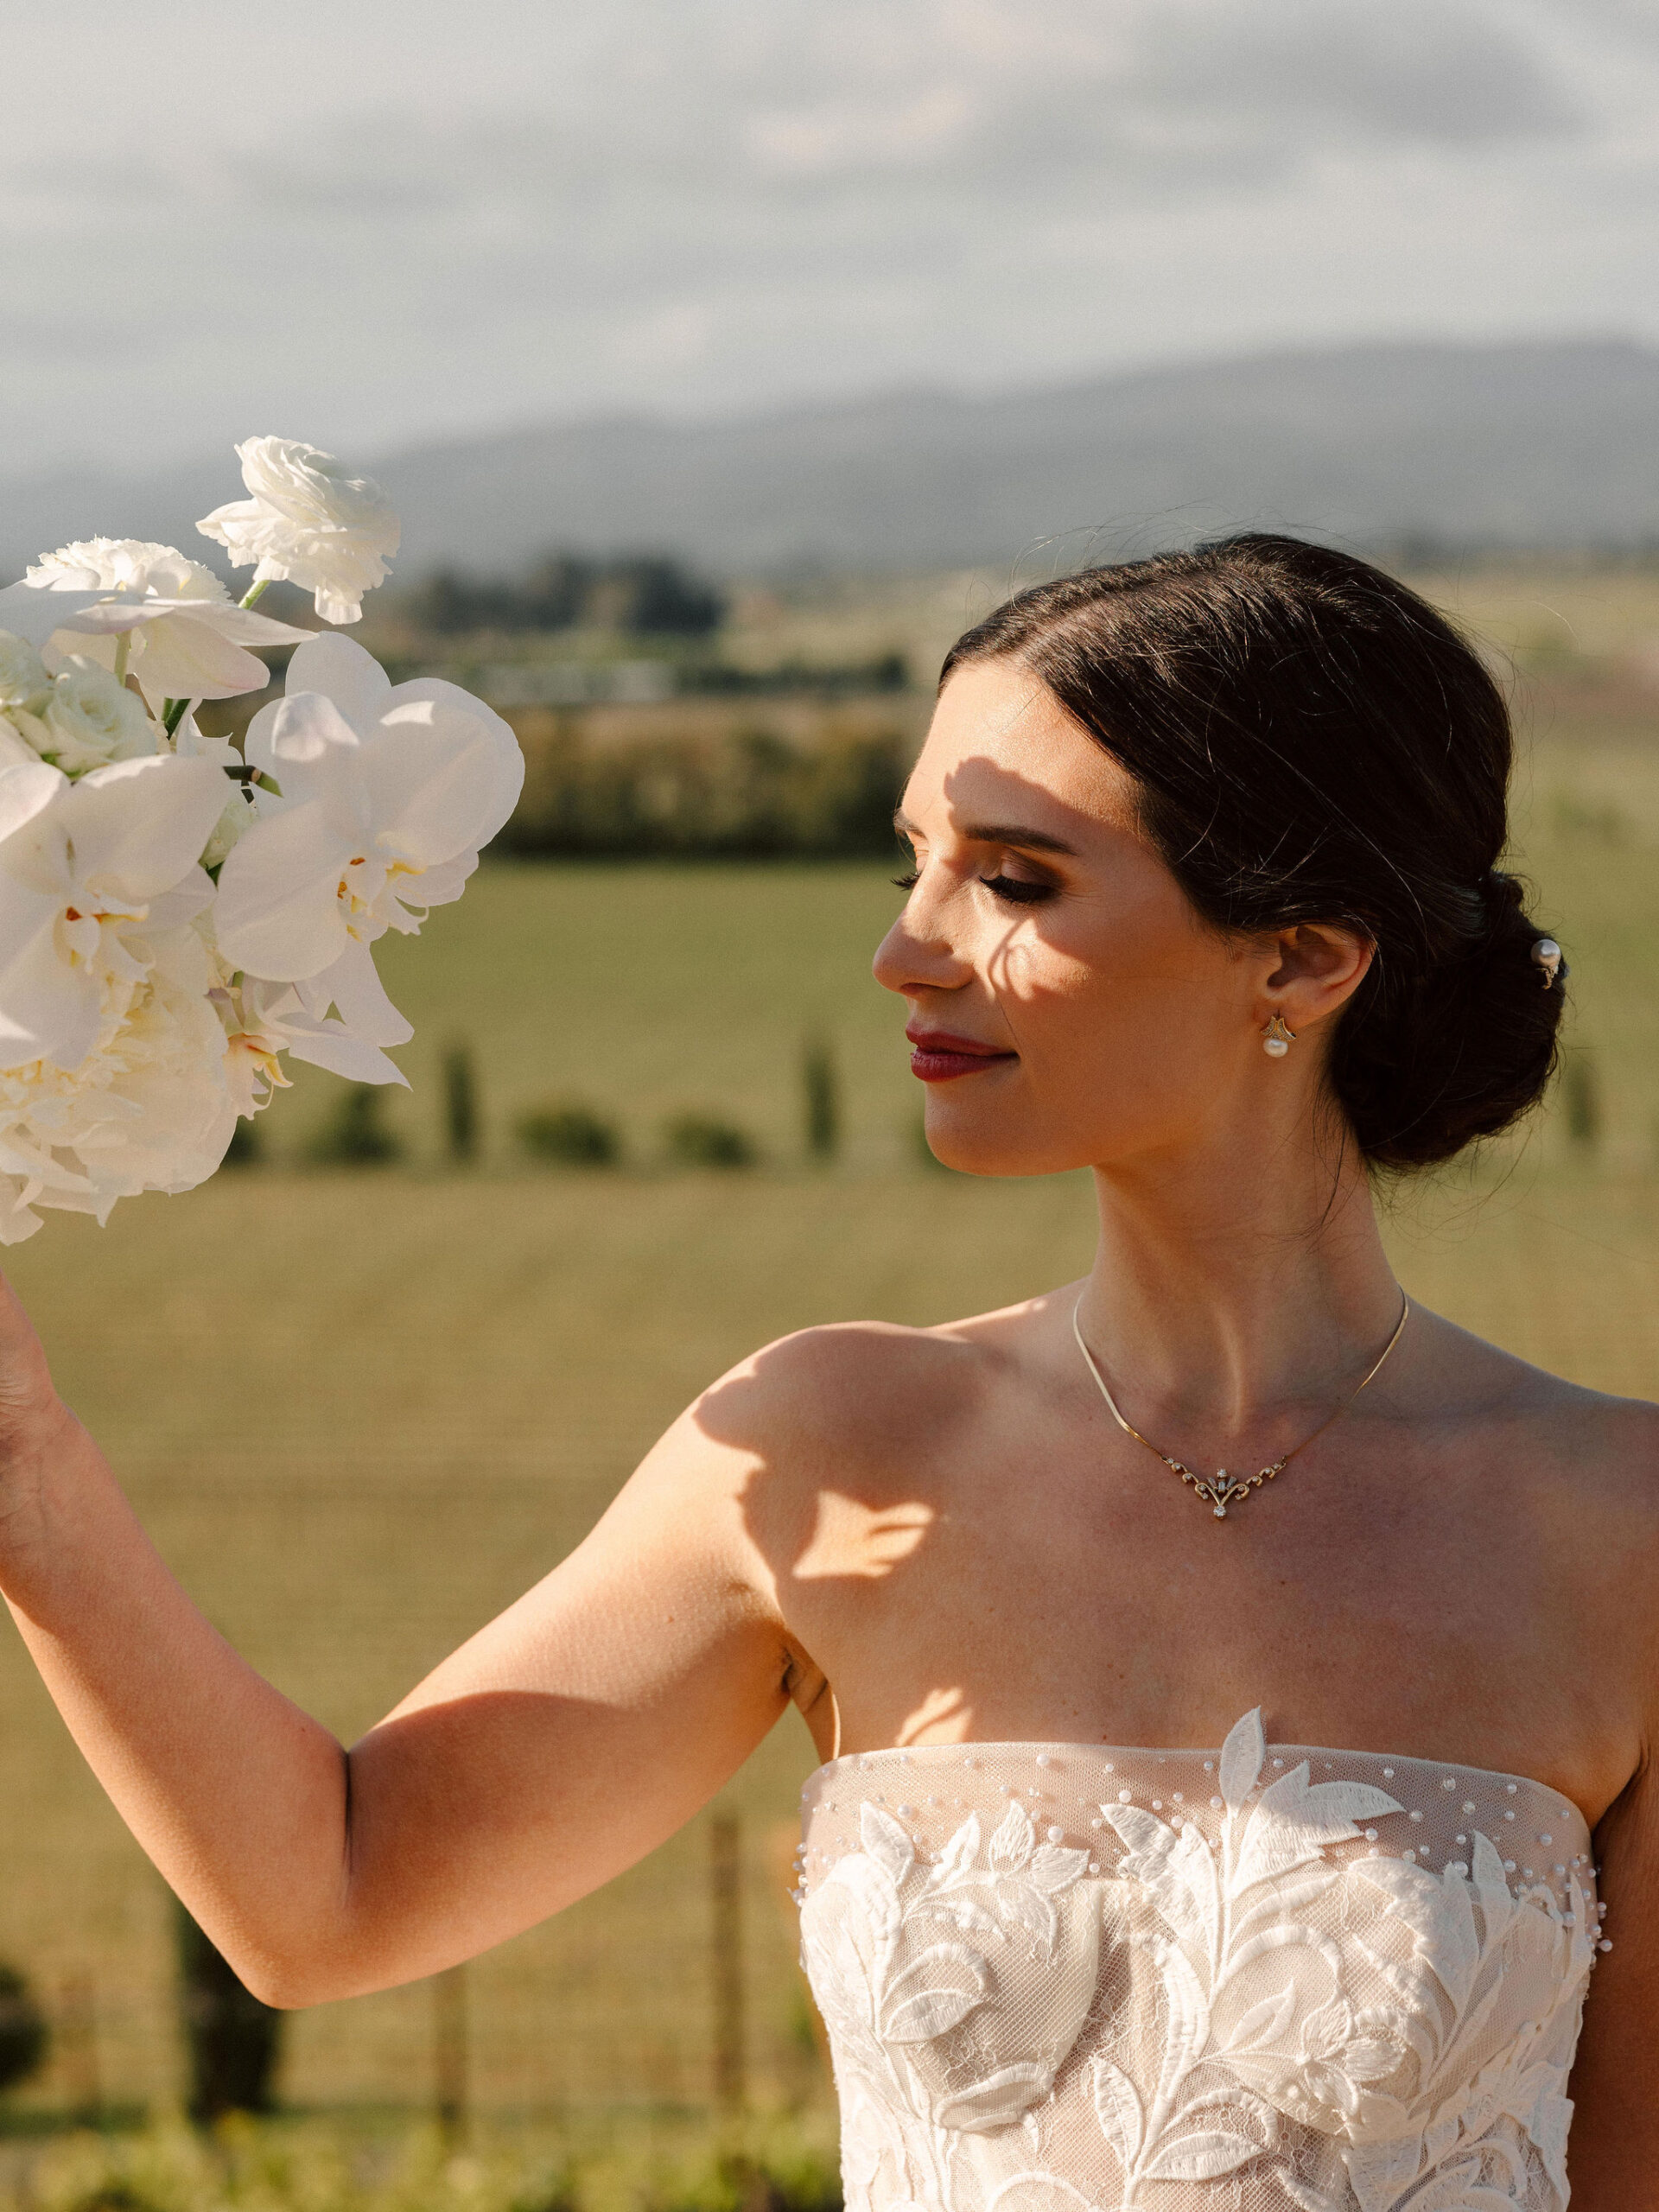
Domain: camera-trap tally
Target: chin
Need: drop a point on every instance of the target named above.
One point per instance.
(957, 1141)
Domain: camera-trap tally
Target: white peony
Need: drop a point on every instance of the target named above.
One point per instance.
(87, 720)
(24, 680)
(387, 795)
(149, 1109)
(113, 1075)
(15, 749)
(78, 861)
(307, 523)
(126, 602)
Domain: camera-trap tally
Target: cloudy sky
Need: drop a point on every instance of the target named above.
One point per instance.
(367, 223)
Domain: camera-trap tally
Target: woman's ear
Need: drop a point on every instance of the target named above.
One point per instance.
(1316, 969)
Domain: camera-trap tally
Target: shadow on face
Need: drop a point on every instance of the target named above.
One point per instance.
(1044, 925)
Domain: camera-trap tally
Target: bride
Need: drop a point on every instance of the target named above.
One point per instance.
(1085, 1601)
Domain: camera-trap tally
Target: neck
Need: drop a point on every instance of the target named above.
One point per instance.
(1232, 1302)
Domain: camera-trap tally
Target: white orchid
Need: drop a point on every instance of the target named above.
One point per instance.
(264, 1020)
(307, 522)
(131, 605)
(387, 794)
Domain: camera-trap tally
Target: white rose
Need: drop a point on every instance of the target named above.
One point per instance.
(307, 523)
(24, 679)
(90, 719)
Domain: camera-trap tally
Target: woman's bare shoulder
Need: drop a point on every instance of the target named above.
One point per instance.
(1598, 1451)
(861, 1389)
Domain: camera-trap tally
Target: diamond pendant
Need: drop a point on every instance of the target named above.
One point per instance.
(1220, 1489)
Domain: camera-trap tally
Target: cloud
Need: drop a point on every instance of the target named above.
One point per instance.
(699, 203)
(1413, 72)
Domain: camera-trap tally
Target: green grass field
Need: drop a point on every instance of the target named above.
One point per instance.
(361, 1411)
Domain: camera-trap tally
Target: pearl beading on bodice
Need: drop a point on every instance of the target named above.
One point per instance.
(1189, 1980)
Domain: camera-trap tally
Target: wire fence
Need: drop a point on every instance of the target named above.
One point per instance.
(678, 1988)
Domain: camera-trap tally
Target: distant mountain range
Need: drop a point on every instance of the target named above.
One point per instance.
(1515, 445)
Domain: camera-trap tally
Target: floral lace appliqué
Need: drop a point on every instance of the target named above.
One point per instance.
(1248, 2009)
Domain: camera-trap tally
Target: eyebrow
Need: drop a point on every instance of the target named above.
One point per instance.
(1017, 834)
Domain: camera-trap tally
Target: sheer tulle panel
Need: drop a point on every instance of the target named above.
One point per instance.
(1261, 1975)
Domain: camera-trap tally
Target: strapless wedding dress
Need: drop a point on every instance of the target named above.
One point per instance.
(1236, 1981)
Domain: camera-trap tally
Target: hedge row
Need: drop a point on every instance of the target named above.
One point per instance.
(746, 795)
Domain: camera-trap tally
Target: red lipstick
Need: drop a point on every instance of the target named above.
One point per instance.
(936, 1056)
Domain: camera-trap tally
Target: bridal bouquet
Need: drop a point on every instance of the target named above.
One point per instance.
(177, 916)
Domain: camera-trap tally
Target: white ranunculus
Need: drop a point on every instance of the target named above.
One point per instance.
(132, 564)
(307, 522)
(387, 795)
(112, 1057)
(184, 634)
(87, 720)
(24, 680)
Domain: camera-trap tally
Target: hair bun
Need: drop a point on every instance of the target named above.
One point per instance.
(1313, 742)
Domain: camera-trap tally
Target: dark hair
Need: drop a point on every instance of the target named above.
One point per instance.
(1313, 743)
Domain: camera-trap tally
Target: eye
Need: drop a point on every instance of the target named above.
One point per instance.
(909, 880)
(1017, 890)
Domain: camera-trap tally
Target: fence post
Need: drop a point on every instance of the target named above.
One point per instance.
(232, 2041)
(449, 2066)
(77, 2048)
(459, 1104)
(726, 1929)
(821, 1098)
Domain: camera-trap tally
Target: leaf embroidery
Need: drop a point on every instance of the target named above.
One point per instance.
(999, 2098)
(1202, 2156)
(932, 2009)
(1012, 1844)
(886, 1843)
(1241, 1759)
(1118, 2110)
(958, 1856)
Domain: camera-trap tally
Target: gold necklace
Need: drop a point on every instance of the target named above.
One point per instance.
(1222, 1490)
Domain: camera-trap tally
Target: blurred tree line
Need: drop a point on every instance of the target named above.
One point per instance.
(744, 794)
(647, 594)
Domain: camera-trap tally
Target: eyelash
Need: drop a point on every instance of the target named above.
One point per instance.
(1007, 887)
(1016, 892)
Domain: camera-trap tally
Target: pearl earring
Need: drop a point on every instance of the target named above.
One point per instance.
(1277, 1038)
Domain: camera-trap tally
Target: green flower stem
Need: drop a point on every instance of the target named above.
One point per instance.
(254, 592)
(122, 647)
(172, 711)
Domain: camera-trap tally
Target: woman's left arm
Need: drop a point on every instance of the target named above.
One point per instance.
(1613, 2151)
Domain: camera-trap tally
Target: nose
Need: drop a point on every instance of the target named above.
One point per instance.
(917, 953)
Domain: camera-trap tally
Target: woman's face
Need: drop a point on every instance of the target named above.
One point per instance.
(1067, 1006)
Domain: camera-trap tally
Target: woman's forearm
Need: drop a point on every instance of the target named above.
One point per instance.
(561, 1743)
(241, 1799)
